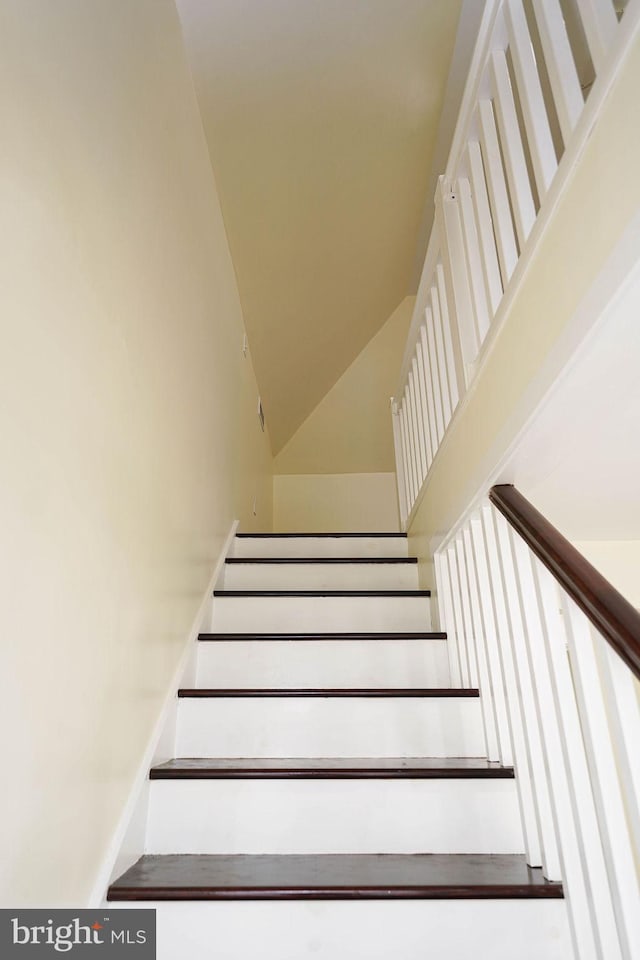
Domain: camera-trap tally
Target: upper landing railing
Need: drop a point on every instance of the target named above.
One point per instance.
(523, 120)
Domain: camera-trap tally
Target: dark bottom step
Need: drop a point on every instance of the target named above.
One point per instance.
(422, 876)
(403, 768)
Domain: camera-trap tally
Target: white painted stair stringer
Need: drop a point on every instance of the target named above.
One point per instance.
(230, 664)
(288, 816)
(330, 727)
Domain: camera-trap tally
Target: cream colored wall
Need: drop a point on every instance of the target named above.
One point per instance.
(328, 503)
(598, 204)
(350, 429)
(618, 561)
(129, 437)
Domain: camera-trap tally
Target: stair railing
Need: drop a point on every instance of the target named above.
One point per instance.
(522, 123)
(555, 651)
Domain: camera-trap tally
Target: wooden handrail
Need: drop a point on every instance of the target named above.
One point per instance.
(613, 616)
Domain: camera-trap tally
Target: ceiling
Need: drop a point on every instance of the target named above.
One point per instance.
(321, 118)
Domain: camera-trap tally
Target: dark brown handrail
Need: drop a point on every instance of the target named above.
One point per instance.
(616, 619)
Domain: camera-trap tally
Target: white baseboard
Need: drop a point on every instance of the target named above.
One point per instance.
(127, 843)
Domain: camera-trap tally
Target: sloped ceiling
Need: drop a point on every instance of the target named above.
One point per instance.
(321, 118)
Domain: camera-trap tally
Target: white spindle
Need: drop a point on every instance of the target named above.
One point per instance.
(474, 263)
(407, 446)
(470, 646)
(590, 900)
(498, 196)
(431, 402)
(534, 112)
(524, 779)
(489, 257)
(422, 391)
(485, 592)
(456, 595)
(551, 863)
(455, 262)
(447, 621)
(413, 434)
(600, 25)
(561, 68)
(417, 417)
(397, 446)
(524, 212)
(479, 631)
(443, 374)
(585, 936)
(435, 375)
(621, 868)
(449, 350)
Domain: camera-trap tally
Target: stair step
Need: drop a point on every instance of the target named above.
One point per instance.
(330, 722)
(280, 611)
(319, 661)
(338, 815)
(340, 636)
(341, 768)
(322, 593)
(315, 545)
(439, 692)
(331, 876)
(321, 573)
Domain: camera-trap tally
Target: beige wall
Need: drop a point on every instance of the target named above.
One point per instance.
(128, 429)
(327, 503)
(589, 220)
(350, 429)
(618, 561)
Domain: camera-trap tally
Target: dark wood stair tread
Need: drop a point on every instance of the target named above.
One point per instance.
(321, 560)
(342, 635)
(332, 877)
(448, 692)
(285, 536)
(402, 768)
(322, 593)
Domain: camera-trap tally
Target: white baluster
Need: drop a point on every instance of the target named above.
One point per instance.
(590, 901)
(561, 68)
(534, 112)
(479, 636)
(422, 391)
(455, 260)
(440, 357)
(447, 621)
(407, 446)
(456, 595)
(474, 263)
(485, 592)
(505, 239)
(417, 419)
(600, 26)
(524, 212)
(556, 770)
(435, 375)
(466, 612)
(431, 400)
(399, 456)
(490, 265)
(530, 825)
(449, 350)
(551, 863)
(618, 851)
(413, 434)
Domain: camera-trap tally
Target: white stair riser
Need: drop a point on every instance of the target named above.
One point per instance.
(323, 663)
(320, 614)
(333, 816)
(318, 576)
(330, 727)
(320, 547)
(361, 930)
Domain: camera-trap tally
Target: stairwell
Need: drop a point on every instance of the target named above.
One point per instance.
(330, 794)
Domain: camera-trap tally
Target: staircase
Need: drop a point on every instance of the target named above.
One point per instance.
(330, 797)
